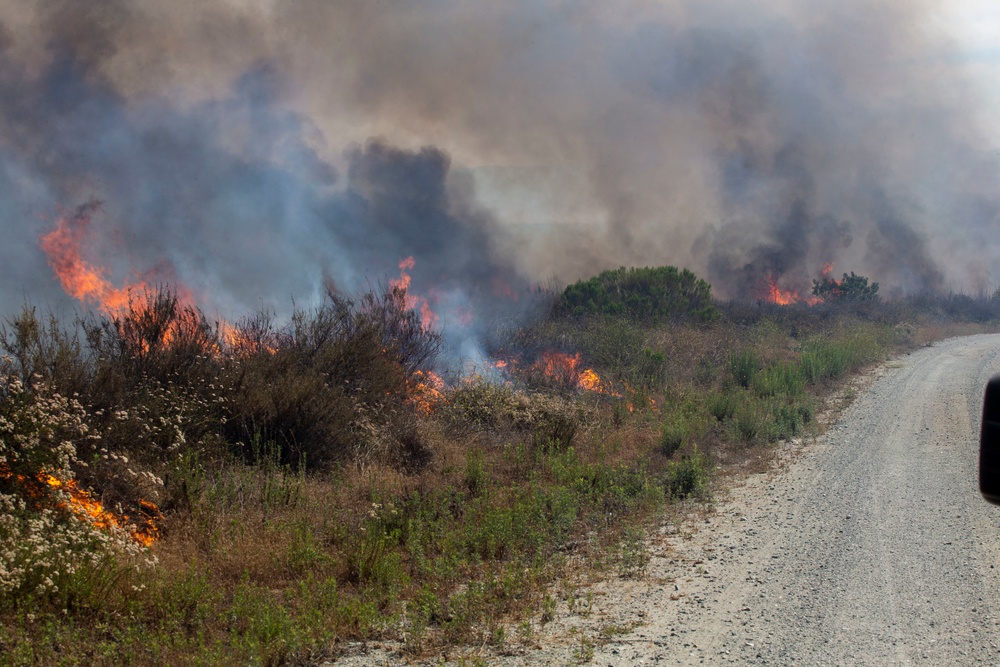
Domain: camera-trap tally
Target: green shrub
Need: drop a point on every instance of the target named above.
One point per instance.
(643, 294)
(723, 405)
(751, 422)
(672, 436)
(633, 554)
(263, 625)
(187, 599)
(475, 475)
(789, 418)
(689, 476)
(850, 288)
(823, 360)
(374, 561)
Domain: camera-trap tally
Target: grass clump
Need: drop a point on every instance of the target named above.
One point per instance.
(672, 437)
(689, 476)
(744, 365)
(780, 379)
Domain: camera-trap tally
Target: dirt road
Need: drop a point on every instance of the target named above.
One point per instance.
(870, 546)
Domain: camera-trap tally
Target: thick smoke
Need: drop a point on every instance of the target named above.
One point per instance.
(258, 150)
(228, 198)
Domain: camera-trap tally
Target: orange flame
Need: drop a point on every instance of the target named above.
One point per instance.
(566, 368)
(85, 508)
(86, 282)
(237, 342)
(772, 292)
(426, 391)
(558, 365)
(591, 381)
(79, 278)
(428, 318)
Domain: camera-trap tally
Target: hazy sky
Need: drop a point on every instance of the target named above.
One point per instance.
(256, 150)
(976, 27)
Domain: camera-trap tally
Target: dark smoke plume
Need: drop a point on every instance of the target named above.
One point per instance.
(261, 149)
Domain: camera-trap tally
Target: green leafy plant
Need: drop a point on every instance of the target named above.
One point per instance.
(851, 288)
(645, 294)
(689, 476)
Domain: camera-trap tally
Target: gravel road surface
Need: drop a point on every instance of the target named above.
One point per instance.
(869, 546)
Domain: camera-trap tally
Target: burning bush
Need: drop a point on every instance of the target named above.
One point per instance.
(851, 288)
(334, 374)
(607, 353)
(50, 528)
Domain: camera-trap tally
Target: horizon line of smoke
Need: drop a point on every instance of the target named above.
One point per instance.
(739, 140)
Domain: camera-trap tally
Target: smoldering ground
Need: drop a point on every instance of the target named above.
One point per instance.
(258, 149)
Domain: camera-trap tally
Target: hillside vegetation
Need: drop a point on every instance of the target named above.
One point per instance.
(178, 491)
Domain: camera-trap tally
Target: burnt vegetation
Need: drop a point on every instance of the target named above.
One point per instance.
(312, 481)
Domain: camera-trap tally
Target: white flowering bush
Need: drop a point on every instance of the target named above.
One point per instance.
(49, 527)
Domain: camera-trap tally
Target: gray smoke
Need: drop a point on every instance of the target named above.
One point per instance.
(258, 149)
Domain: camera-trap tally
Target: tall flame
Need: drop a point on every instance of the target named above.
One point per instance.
(78, 277)
(428, 318)
(774, 294)
(86, 282)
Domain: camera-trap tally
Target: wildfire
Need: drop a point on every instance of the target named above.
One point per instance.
(241, 343)
(772, 292)
(86, 282)
(78, 277)
(86, 508)
(559, 366)
(426, 391)
(567, 370)
(428, 318)
(564, 369)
